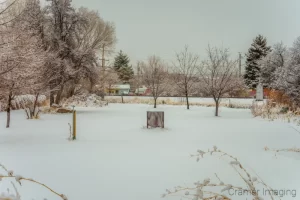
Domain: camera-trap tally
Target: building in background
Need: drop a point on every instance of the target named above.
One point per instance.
(119, 89)
(143, 91)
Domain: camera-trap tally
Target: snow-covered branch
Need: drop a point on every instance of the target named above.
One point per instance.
(203, 189)
(19, 179)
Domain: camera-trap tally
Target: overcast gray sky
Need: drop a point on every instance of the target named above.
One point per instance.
(162, 27)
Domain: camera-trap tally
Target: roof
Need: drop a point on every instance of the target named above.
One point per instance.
(141, 89)
(121, 86)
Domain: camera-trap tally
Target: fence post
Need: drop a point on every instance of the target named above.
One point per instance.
(74, 124)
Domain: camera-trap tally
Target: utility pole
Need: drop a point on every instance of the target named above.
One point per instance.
(103, 58)
(240, 64)
(138, 76)
(103, 71)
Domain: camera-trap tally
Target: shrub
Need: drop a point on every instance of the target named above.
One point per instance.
(203, 189)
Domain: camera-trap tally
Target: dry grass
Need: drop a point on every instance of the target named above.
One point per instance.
(297, 150)
(272, 111)
(203, 189)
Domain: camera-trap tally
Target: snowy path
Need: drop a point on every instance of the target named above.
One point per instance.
(116, 158)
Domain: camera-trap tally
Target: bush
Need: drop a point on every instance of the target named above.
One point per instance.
(203, 189)
(280, 98)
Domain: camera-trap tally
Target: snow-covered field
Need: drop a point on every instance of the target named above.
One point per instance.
(115, 157)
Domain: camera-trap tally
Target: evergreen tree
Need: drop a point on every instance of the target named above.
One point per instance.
(122, 67)
(126, 73)
(256, 52)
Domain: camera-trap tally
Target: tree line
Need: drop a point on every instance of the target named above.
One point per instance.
(215, 76)
(51, 49)
(275, 67)
(55, 50)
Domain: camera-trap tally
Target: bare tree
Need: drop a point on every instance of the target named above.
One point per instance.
(25, 77)
(184, 73)
(154, 74)
(24, 56)
(218, 74)
(77, 38)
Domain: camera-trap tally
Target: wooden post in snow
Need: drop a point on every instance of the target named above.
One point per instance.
(74, 124)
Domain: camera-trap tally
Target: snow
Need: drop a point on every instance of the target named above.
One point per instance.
(116, 157)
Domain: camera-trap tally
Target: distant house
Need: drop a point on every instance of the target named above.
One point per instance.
(143, 91)
(119, 89)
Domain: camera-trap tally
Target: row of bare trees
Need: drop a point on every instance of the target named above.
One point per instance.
(215, 76)
(51, 50)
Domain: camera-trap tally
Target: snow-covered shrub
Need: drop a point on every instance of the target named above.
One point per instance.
(215, 189)
(272, 111)
(256, 109)
(84, 100)
(9, 175)
(24, 101)
(280, 97)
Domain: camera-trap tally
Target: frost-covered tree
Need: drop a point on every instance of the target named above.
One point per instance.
(256, 52)
(22, 56)
(271, 63)
(155, 75)
(122, 67)
(91, 36)
(59, 32)
(25, 56)
(75, 38)
(57, 44)
(218, 75)
(288, 77)
(184, 74)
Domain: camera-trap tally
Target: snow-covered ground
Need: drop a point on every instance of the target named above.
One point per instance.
(115, 157)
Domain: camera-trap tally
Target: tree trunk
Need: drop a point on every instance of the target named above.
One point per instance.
(51, 98)
(8, 118)
(35, 105)
(59, 94)
(122, 98)
(8, 109)
(217, 108)
(187, 99)
(72, 90)
(155, 99)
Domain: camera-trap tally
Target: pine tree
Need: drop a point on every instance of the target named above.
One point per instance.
(256, 52)
(126, 73)
(122, 67)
